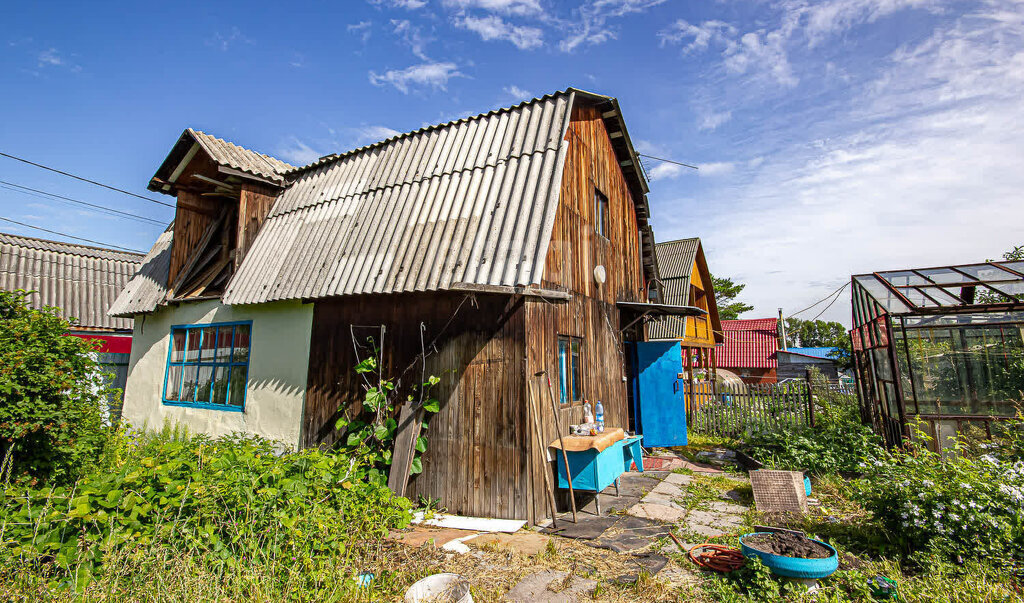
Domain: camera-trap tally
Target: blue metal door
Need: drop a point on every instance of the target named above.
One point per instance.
(660, 407)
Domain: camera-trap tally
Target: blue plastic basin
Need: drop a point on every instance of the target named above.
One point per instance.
(807, 485)
(793, 567)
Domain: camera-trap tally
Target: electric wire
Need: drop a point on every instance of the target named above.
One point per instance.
(64, 234)
(693, 167)
(838, 295)
(34, 192)
(829, 296)
(69, 175)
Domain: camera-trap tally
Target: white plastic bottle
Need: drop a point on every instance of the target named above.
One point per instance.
(588, 415)
(599, 412)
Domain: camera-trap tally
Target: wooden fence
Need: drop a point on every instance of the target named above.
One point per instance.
(737, 410)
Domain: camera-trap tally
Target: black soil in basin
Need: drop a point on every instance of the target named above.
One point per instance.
(787, 544)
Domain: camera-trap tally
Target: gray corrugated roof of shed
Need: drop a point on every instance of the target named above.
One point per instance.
(470, 201)
(231, 155)
(148, 288)
(676, 258)
(81, 280)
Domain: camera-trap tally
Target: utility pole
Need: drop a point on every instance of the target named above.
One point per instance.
(782, 329)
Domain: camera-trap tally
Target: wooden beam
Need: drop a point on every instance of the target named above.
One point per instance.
(181, 166)
(507, 290)
(215, 182)
(410, 421)
(240, 174)
(199, 253)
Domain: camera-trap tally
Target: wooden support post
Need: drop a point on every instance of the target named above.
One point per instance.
(543, 457)
(810, 399)
(561, 442)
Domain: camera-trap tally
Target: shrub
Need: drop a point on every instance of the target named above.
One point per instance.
(963, 505)
(838, 442)
(50, 395)
(231, 501)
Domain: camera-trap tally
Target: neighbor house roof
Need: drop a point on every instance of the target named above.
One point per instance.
(749, 344)
(471, 201)
(81, 280)
(676, 260)
(813, 352)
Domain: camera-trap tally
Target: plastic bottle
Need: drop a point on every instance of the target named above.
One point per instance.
(599, 412)
(588, 415)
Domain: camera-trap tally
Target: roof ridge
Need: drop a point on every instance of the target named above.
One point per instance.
(678, 240)
(75, 245)
(248, 150)
(336, 156)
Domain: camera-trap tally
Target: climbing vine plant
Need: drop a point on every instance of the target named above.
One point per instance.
(370, 431)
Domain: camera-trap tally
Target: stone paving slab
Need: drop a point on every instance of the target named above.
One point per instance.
(706, 531)
(547, 587)
(667, 489)
(727, 507)
(657, 512)
(678, 479)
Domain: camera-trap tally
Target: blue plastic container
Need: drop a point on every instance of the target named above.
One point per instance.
(793, 567)
(807, 485)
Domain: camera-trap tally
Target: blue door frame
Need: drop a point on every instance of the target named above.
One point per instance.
(659, 405)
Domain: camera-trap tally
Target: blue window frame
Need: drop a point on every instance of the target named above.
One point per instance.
(208, 365)
(570, 369)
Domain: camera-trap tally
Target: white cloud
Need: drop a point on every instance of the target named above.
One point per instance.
(664, 171)
(226, 41)
(517, 93)
(406, 4)
(413, 37)
(702, 35)
(425, 75)
(50, 57)
(508, 7)
(493, 27)
(918, 167)
(715, 168)
(710, 120)
(296, 152)
(363, 29)
(371, 134)
(590, 22)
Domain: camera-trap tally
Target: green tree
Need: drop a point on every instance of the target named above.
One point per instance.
(726, 292)
(51, 425)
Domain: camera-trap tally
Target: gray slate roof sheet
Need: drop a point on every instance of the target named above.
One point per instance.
(82, 281)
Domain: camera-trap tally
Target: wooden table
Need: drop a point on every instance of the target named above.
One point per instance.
(594, 469)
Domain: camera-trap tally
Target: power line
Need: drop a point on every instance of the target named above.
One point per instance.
(28, 191)
(62, 234)
(845, 285)
(107, 186)
(668, 161)
(829, 304)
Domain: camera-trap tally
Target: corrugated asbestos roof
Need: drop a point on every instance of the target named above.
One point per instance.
(675, 262)
(471, 201)
(749, 344)
(148, 288)
(240, 158)
(83, 281)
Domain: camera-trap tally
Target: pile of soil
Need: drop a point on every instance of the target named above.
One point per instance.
(787, 544)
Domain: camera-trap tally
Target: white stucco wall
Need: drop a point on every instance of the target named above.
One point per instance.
(278, 363)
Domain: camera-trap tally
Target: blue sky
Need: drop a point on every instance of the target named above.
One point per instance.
(833, 137)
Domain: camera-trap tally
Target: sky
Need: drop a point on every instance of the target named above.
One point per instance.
(832, 138)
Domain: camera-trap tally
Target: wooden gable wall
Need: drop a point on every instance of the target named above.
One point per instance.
(575, 250)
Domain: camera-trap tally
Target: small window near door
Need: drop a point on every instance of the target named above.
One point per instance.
(570, 369)
(601, 213)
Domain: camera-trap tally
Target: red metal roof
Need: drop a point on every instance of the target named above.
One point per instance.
(749, 344)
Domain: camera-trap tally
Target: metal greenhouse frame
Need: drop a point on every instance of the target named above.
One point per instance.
(944, 345)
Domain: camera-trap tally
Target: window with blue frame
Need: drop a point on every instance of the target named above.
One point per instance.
(208, 365)
(570, 369)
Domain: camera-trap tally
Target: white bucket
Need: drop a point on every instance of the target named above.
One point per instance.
(442, 588)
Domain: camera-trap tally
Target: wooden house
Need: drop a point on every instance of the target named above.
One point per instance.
(81, 281)
(483, 251)
(686, 281)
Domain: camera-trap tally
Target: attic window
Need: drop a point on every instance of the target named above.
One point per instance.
(601, 213)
